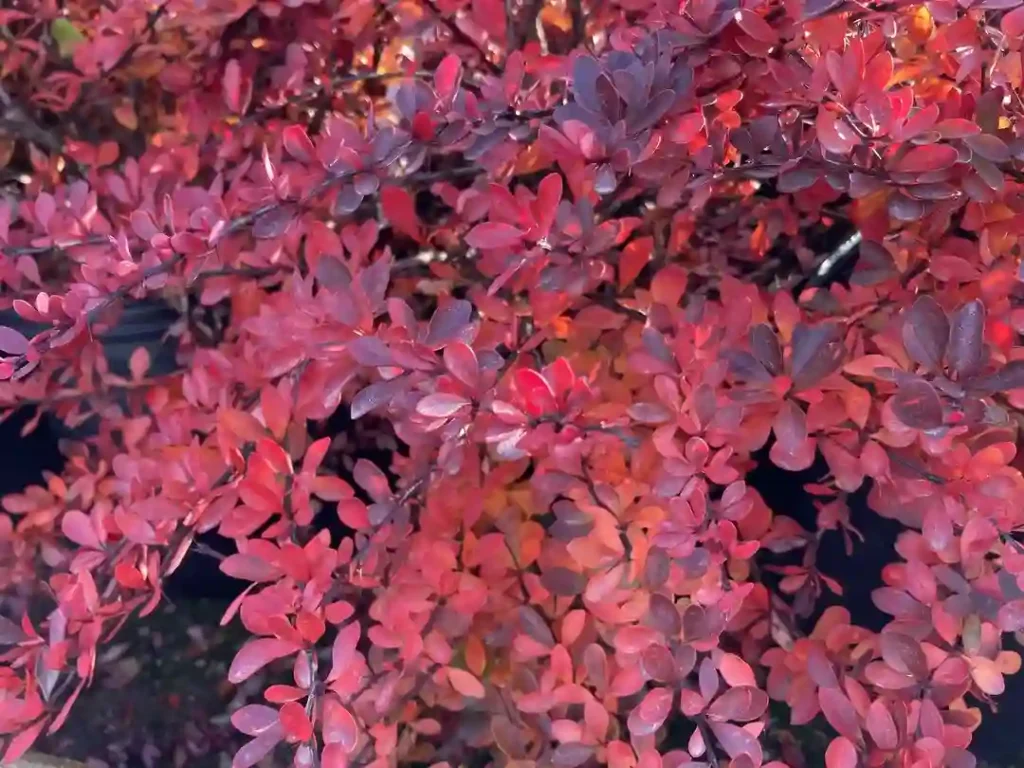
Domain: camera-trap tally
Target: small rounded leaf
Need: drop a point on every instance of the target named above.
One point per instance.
(841, 754)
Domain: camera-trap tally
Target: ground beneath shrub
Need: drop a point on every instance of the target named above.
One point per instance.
(161, 696)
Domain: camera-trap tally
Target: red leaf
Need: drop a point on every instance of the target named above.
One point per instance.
(929, 157)
(448, 76)
(344, 649)
(296, 142)
(339, 726)
(78, 527)
(881, 726)
(461, 362)
(735, 671)
(494, 234)
(841, 754)
(834, 133)
(754, 25)
(649, 715)
(1012, 24)
(465, 683)
(297, 726)
(400, 210)
(635, 256)
(545, 207)
(23, 741)
(839, 712)
(232, 86)
(256, 654)
(250, 568)
(536, 392)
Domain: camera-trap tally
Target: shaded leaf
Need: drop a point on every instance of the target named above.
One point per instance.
(12, 342)
(817, 352)
(917, 405)
(904, 654)
(926, 332)
(965, 351)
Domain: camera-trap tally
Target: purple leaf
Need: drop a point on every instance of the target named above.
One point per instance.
(917, 405)
(965, 351)
(904, 654)
(254, 751)
(926, 332)
(448, 323)
(376, 395)
(441, 405)
(273, 223)
(743, 703)
(737, 741)
(1010, 376)
(563, 582)
(370, 351)
(571, 755)
(256, 654)
(12, 342)
(817, 352)
(766, 348)
(254, 719)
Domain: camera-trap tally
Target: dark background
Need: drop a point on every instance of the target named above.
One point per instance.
(996, 742)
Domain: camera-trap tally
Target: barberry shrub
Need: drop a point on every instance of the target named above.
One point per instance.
(560, 256)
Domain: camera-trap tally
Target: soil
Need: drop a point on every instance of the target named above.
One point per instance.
(161, 696)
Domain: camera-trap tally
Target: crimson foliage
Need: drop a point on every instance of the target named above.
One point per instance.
(559, 254)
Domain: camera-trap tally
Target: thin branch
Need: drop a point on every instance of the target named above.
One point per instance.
(709, 741)
(16, 120)
(33, 250)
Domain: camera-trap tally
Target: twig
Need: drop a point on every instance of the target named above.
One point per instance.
(18, 122)
(709, 741)
(32, 250)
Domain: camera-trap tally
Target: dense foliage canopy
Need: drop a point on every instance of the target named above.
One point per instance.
(557, 258)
